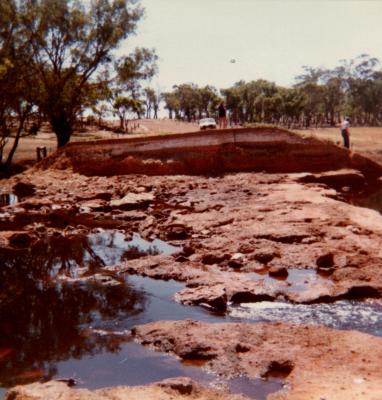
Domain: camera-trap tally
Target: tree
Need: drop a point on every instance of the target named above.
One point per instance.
(17, 90)
(149, 100)
(208, 100)
(172, 104)
(133, 69)
(69, 41)
(122, 106)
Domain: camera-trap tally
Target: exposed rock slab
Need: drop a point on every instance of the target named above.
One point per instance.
(337, 179)
(317, 363)
(236, 230)
(169, 389)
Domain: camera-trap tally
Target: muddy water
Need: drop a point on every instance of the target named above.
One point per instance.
(52, 326)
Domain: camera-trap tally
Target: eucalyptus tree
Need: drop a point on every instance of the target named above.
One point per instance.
(171, 104)
(69, 41)
(208, 98)
(150, 100)
(134, 69)
(17, 89)
(122, 106)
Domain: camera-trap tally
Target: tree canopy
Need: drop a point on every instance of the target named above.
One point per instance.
(65, 45)
(320, 96)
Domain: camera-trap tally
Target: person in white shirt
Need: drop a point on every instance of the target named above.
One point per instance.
(345, 132)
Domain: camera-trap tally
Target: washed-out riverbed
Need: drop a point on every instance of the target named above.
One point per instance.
(76, 278)
(55, 325)
(79, 329)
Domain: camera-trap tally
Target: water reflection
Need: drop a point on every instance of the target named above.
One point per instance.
(43, 325)
(44, 320)
(8, 199)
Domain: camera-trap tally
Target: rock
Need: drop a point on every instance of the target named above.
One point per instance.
(216, 258)
(20, 240)
(22, 189)
(265, 255)
(95, 204)
(236, 261)
(98, 279)
(278, 369)
(177, 232)
(277, 271)
(181, 385)
(312, 360)
(337, 179)
(133, 201)
(245, 248)
(181, 388)
(325, 261)
(187, 250)
(214, 296)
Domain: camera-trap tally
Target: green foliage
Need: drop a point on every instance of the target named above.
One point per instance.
(189, 101)
(122, 105)
(69, 41)
(319, 97)
(62, 53)
(17, 89)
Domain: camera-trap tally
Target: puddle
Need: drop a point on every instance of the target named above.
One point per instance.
(52, 328)
(258, 389)
(345, 315)
(302, 280)
(8, 199)
(72, 256)
(112, 247)
(297, 281)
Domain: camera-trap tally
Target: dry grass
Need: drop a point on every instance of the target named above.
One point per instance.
(363, 140)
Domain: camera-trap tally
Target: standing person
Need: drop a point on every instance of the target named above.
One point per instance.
(345, 132)
(222, 115)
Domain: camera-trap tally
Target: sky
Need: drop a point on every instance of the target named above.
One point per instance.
(270, 39)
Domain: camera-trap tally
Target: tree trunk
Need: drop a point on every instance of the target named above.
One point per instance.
(63, 129)
(15, 143)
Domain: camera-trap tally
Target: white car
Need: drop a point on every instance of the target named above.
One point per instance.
(207, 123)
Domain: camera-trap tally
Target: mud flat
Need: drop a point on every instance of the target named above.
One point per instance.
(231, 244)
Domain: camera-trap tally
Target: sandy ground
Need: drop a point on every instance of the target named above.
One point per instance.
(367, 141)
(364, 140)
(26, 151)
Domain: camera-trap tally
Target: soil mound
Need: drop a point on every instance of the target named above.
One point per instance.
(215, 152)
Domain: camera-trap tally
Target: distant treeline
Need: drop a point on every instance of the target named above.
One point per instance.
(319, 97)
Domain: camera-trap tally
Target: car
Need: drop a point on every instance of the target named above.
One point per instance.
(207, 123)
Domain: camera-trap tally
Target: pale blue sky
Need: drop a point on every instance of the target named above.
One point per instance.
(271, 39)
